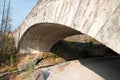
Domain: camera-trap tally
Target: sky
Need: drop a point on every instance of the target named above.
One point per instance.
(19, 10)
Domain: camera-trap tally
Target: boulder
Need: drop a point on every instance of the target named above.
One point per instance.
(36, 75)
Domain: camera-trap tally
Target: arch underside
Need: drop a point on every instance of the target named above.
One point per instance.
(41, 37)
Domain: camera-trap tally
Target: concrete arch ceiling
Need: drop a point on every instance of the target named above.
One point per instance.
(42, 36)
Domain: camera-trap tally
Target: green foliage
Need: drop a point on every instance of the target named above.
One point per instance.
(85, 50)
(30, 67)
(72, 50)
(54, 55)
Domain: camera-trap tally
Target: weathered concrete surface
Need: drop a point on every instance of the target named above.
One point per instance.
(99, 19)
(97, 69)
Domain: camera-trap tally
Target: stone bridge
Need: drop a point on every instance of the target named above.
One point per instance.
(52, 20)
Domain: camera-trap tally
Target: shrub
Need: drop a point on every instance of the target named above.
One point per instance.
(8, 56)
(72, 50)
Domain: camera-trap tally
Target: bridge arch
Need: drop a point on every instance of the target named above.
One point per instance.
(42, 36)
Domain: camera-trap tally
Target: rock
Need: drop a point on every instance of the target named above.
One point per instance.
(22, 76)
(29, 60)
(36, 75)
(37, 60)
(72, 70)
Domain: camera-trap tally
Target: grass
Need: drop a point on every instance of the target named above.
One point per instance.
(54, 55)
(30, 67)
